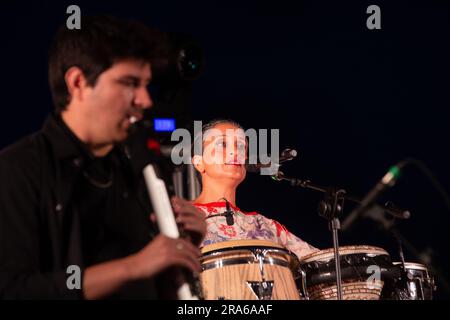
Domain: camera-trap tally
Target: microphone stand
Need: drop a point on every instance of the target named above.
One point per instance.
(330, 208)
(404, 272)
(389, 207)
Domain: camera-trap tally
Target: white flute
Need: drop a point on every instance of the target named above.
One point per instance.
(165, 217)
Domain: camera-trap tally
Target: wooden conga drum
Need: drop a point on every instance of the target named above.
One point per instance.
(248, 270)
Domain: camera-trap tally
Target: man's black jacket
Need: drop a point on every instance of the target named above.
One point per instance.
(39, 227)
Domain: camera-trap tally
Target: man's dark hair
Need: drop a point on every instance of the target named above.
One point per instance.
(101, 42)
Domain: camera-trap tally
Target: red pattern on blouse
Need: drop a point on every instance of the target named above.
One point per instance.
(228, 230)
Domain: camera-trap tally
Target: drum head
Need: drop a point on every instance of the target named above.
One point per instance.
(328, 254)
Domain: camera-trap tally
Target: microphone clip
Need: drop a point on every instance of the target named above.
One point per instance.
(229, 214)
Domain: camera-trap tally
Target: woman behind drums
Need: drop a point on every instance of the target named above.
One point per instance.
(243, 252)
(221, 166)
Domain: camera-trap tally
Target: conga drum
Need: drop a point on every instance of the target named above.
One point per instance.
(248, 270)
(364, 269)
(413, 282)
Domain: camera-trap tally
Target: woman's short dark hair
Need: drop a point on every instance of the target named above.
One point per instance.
(211, 124)
(101, 42)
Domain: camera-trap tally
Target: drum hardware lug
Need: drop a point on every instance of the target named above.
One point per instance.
(261, 289)
(259, 255)
(432, 283)
(304, 285)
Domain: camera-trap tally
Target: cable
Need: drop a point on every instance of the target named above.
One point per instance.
(429, 174)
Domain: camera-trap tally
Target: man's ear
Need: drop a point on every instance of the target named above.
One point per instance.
(197, 161)
(75, 82)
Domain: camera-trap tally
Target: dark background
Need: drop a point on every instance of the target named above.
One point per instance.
(352, 101)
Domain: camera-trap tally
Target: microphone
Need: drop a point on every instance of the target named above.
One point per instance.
(229, 214)
(286, 155)
(388, 181)
(377, 214)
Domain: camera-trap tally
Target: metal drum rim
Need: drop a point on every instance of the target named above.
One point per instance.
(328, 254)
(235, 244)
(247, 247)
(241, 261)
(412, 265)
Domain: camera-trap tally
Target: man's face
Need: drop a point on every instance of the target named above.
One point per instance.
(119, 96)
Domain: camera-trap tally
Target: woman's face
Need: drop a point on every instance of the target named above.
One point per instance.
(224, 153)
